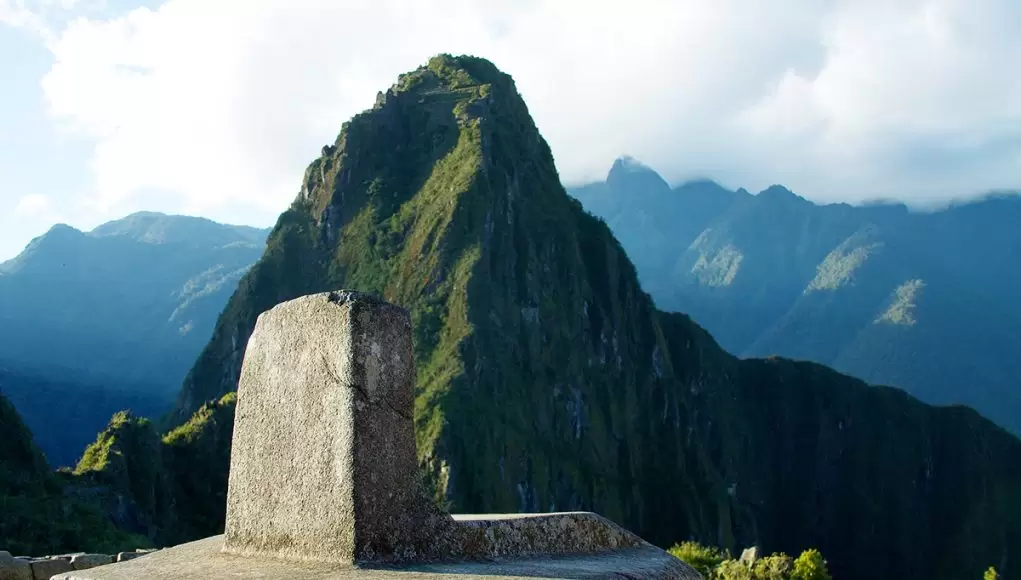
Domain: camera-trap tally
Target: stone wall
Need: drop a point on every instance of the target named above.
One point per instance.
(29, 568)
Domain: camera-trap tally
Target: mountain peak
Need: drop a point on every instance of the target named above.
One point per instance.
(779, 192)
(159, 228)
(445, 75)
(57, 240)
(628, 172)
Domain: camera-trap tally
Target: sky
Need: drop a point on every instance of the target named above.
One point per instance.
(215, 107)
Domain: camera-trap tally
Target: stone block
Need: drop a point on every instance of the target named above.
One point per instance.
(43, 569)
(125, 556)
(323, 462)
(85, 561)
(14, 568)
(749, 556)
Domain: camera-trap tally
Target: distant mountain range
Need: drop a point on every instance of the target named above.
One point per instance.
(92, 322)
(926, 301)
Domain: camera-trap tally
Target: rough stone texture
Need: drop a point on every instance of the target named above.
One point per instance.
(501, 535)
(85, 561)
(205, 560)
(125, 556)
(323, 461)
(14, 568)
(750, 555)
(43, 569)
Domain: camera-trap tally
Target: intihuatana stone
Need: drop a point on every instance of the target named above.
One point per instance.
(323, 460)
(323, 475)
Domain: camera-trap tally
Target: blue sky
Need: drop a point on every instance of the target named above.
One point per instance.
(33, 157)
(42, 167)
(214, 108)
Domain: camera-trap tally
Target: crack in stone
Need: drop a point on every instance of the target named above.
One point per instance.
(361, 390)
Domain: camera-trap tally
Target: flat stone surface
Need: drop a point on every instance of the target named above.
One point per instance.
(204, 560)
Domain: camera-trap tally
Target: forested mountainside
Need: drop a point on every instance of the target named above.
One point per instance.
(547, 379)
(925, 301)
(92, 323)
(37, 518)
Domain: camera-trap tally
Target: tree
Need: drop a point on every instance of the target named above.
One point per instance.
(810, 566)
(991, 574)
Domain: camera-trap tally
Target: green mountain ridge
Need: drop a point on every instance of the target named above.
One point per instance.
(924, 300)
(64, 408)
(36, 517)
(95, 322)
(547, 380)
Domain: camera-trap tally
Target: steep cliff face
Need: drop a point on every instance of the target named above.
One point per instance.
(548, 381)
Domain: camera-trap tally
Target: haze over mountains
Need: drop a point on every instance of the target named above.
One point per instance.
(926, 301)
(95, 322)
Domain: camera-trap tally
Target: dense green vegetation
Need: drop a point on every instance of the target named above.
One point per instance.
(169, 489)
(715, 564)
(35, 517)
(547, 379)
(925, 301)
(704, 559)
(95, 322)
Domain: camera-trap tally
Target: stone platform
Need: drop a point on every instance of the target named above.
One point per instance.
(323, 474)
(205, 560)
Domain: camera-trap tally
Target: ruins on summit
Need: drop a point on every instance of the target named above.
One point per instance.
(324, 476)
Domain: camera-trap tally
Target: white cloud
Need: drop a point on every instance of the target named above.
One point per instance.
(33, 205)
(17, 14)
(224, 103)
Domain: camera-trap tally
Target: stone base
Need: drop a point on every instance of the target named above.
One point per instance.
(205, 560)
